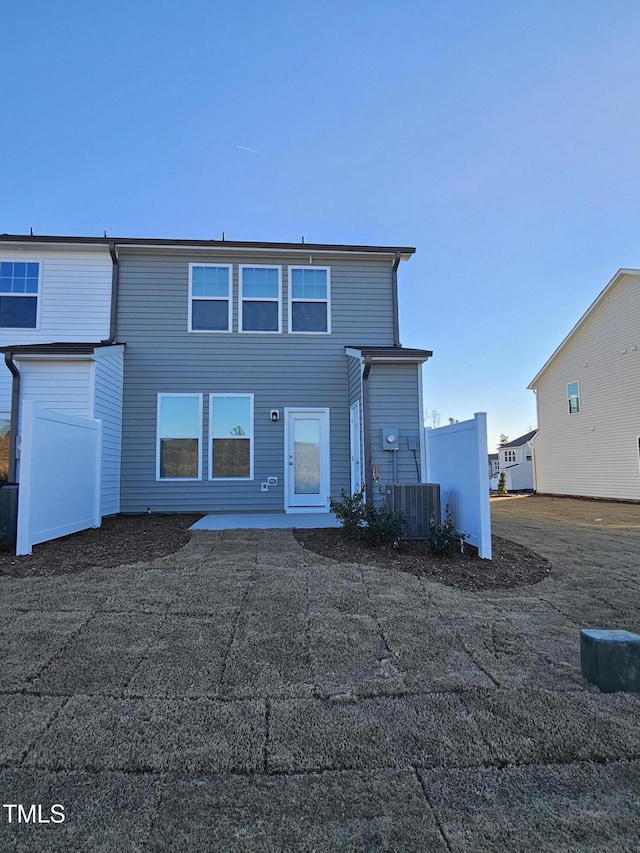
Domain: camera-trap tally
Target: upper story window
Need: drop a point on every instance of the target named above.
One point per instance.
(231, 436)
(509, 456)
(209, 298)
(179, 437)
(573, 394)
(19, 283)
(309, 300)
(259, 307)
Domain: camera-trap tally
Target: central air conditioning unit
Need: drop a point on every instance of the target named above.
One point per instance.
(418, 503)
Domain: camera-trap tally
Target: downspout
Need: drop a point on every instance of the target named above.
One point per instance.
(394, 294)
(15, 408)
(368, 478)
(114, 295)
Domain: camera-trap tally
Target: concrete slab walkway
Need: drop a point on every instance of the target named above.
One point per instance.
(245, 694)
(265, 520)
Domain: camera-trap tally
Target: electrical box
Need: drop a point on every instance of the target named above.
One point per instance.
(412, 442)
(272, 481)
(390, 438)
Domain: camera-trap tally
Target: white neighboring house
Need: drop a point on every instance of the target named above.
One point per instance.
(588, 401)
(516, 459)
(57, 323)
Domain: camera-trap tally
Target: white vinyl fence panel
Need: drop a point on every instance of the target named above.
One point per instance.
(457, 460)
(59, 490)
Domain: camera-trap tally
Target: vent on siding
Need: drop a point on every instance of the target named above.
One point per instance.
(417, 502)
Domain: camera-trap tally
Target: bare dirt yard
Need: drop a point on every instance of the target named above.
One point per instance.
(244, 693)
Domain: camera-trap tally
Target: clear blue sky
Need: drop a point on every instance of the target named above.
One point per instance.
(501, 138)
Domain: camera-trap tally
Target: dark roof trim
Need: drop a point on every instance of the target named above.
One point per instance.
(206, 244)
(518, 442)
(392, 353)
(57, 348)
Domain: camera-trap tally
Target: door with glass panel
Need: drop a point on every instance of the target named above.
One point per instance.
(307, 460)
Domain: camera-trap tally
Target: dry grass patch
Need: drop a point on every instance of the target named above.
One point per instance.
(610, 515)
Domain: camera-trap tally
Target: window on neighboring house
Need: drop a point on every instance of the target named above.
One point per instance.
(209, 298)
(19, 282)
(259, 299)
(309, 300)
(231, 436)
(179, 438)
(573, 393)
(509, 456)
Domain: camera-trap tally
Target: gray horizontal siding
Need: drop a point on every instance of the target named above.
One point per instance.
(279, 369)
(394, 402)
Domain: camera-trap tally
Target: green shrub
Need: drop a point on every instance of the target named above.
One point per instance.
(382, 527)
(502, 483)
(361, 521)
(349, 511)
(443, 538)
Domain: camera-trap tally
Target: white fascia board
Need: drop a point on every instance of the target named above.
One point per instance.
(581, 322)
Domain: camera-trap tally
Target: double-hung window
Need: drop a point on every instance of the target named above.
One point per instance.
(310, 300)
(210, 298)
(231, 436)
(19, 287)
(179, 437)
(573, 395)
(260, 299)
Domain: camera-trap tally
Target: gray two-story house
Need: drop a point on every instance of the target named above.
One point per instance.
(263, 376)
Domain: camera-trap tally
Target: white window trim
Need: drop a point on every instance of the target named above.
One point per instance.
(229, 300)
(250, 436)
(327, 300)
(37, 296)
(569, 412)
(199, 437)
(242, 300)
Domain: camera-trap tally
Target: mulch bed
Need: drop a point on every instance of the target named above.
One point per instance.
(121, 539)
(132, 539)
(512, 565)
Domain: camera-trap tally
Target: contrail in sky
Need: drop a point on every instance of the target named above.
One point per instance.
(252, 150)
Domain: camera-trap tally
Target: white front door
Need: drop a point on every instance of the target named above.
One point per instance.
(307, 477)
(355, 442)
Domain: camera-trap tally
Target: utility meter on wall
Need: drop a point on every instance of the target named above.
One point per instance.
(390, 438)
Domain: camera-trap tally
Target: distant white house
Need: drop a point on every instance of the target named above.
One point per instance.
(516, 459)
(494, 465)
(588, 401)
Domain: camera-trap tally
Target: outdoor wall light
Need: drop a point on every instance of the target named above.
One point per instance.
(275, 415)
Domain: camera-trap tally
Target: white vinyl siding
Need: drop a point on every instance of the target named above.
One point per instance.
(74, 300)
(595, 454)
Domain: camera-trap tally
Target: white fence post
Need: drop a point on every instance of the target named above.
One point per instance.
(457, 460)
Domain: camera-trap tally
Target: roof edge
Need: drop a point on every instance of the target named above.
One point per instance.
(604, 293)
(32, 239)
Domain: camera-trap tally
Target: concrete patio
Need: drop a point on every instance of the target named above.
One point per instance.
(245, 694)
(265, 520)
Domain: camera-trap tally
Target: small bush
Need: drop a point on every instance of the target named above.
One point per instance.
(443, 538)
(382, 527)
(502, 484)
(349, 511)
(361, 521)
